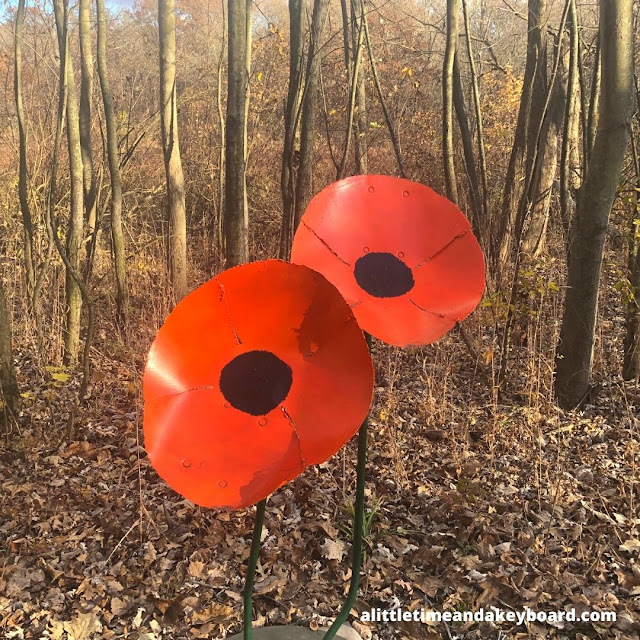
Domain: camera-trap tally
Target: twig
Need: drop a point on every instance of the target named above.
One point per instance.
(446, 626)
(131, 528)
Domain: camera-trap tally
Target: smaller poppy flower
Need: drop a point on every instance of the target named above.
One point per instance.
(403, 256)
(254, 376)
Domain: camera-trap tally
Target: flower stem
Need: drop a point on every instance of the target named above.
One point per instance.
(251, 569)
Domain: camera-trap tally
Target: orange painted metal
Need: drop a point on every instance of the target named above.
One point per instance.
(404, 257)
(257, 374)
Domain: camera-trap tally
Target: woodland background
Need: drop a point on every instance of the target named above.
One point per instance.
(503, 465)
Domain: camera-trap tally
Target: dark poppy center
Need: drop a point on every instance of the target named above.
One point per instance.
(382, 275)
(255, 382)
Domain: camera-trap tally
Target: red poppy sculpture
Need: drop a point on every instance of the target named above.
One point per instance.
(257, 374)
(408, 264)
(404, 257)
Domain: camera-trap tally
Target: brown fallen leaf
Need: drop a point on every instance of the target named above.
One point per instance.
(269, 584)
(631, 545)
(627, 580)
(119, 606)
(205, 631)
(56, 629)
(83, 626)
(213, 613)
(362, 629)
(333, 549)
(195, 568)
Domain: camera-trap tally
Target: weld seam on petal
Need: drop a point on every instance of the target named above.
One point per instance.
(324, 243)
(433, 313)
(226, 306)
(180, 393)
(446, 246)
(287, 415)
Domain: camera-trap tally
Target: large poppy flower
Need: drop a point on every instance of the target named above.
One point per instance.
(403, 256)
(253, 377)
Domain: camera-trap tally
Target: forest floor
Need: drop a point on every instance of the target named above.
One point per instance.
(474, 501)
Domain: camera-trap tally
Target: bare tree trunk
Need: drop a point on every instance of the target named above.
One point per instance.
(467, 147)
(533, 91)
(117, 235)
(453, 14)
(325, 113)
(569, 141)
(86, 96)
(581, 122)
(545, 173)
(74, 233)
(247, 98)
(50, 210)
(353, 35)
(8, 386)
(478, 114)
(536, 147)
(346, 46)
(576, 173)
(294, 94)
(594, 104)
(70, 255)
(631, 363)
(383, 103)
(353, 96)
(219, 235)
(304, 185)
(171, 149)
(533, 164)
(361, 154)
(236, 220)
(575, 350)
(27, 221)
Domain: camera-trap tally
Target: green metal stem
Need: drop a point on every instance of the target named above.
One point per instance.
(251, 569)
(358, 528)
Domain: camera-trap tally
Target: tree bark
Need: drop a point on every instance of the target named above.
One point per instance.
(291, 120)
(383, 103)
(219, 234)
(354, 70)
(360, 150)
(70, 255)
(117, 235)
(236, 218)
(631, 362)
(76, 209)
(467, 147)
(304, 184)
(536, 143)
(453, 15)
(346, 44)
(27, 220)
(247, 99)
(8, 386)
(86, 96)
(353, 37)
(478, 114)
(50, 210)
(534, 234)
(177, 217)
(577, 335)
(582, 125)
(569, 137)
(533, 163)
(529, 115)
(594, 102)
